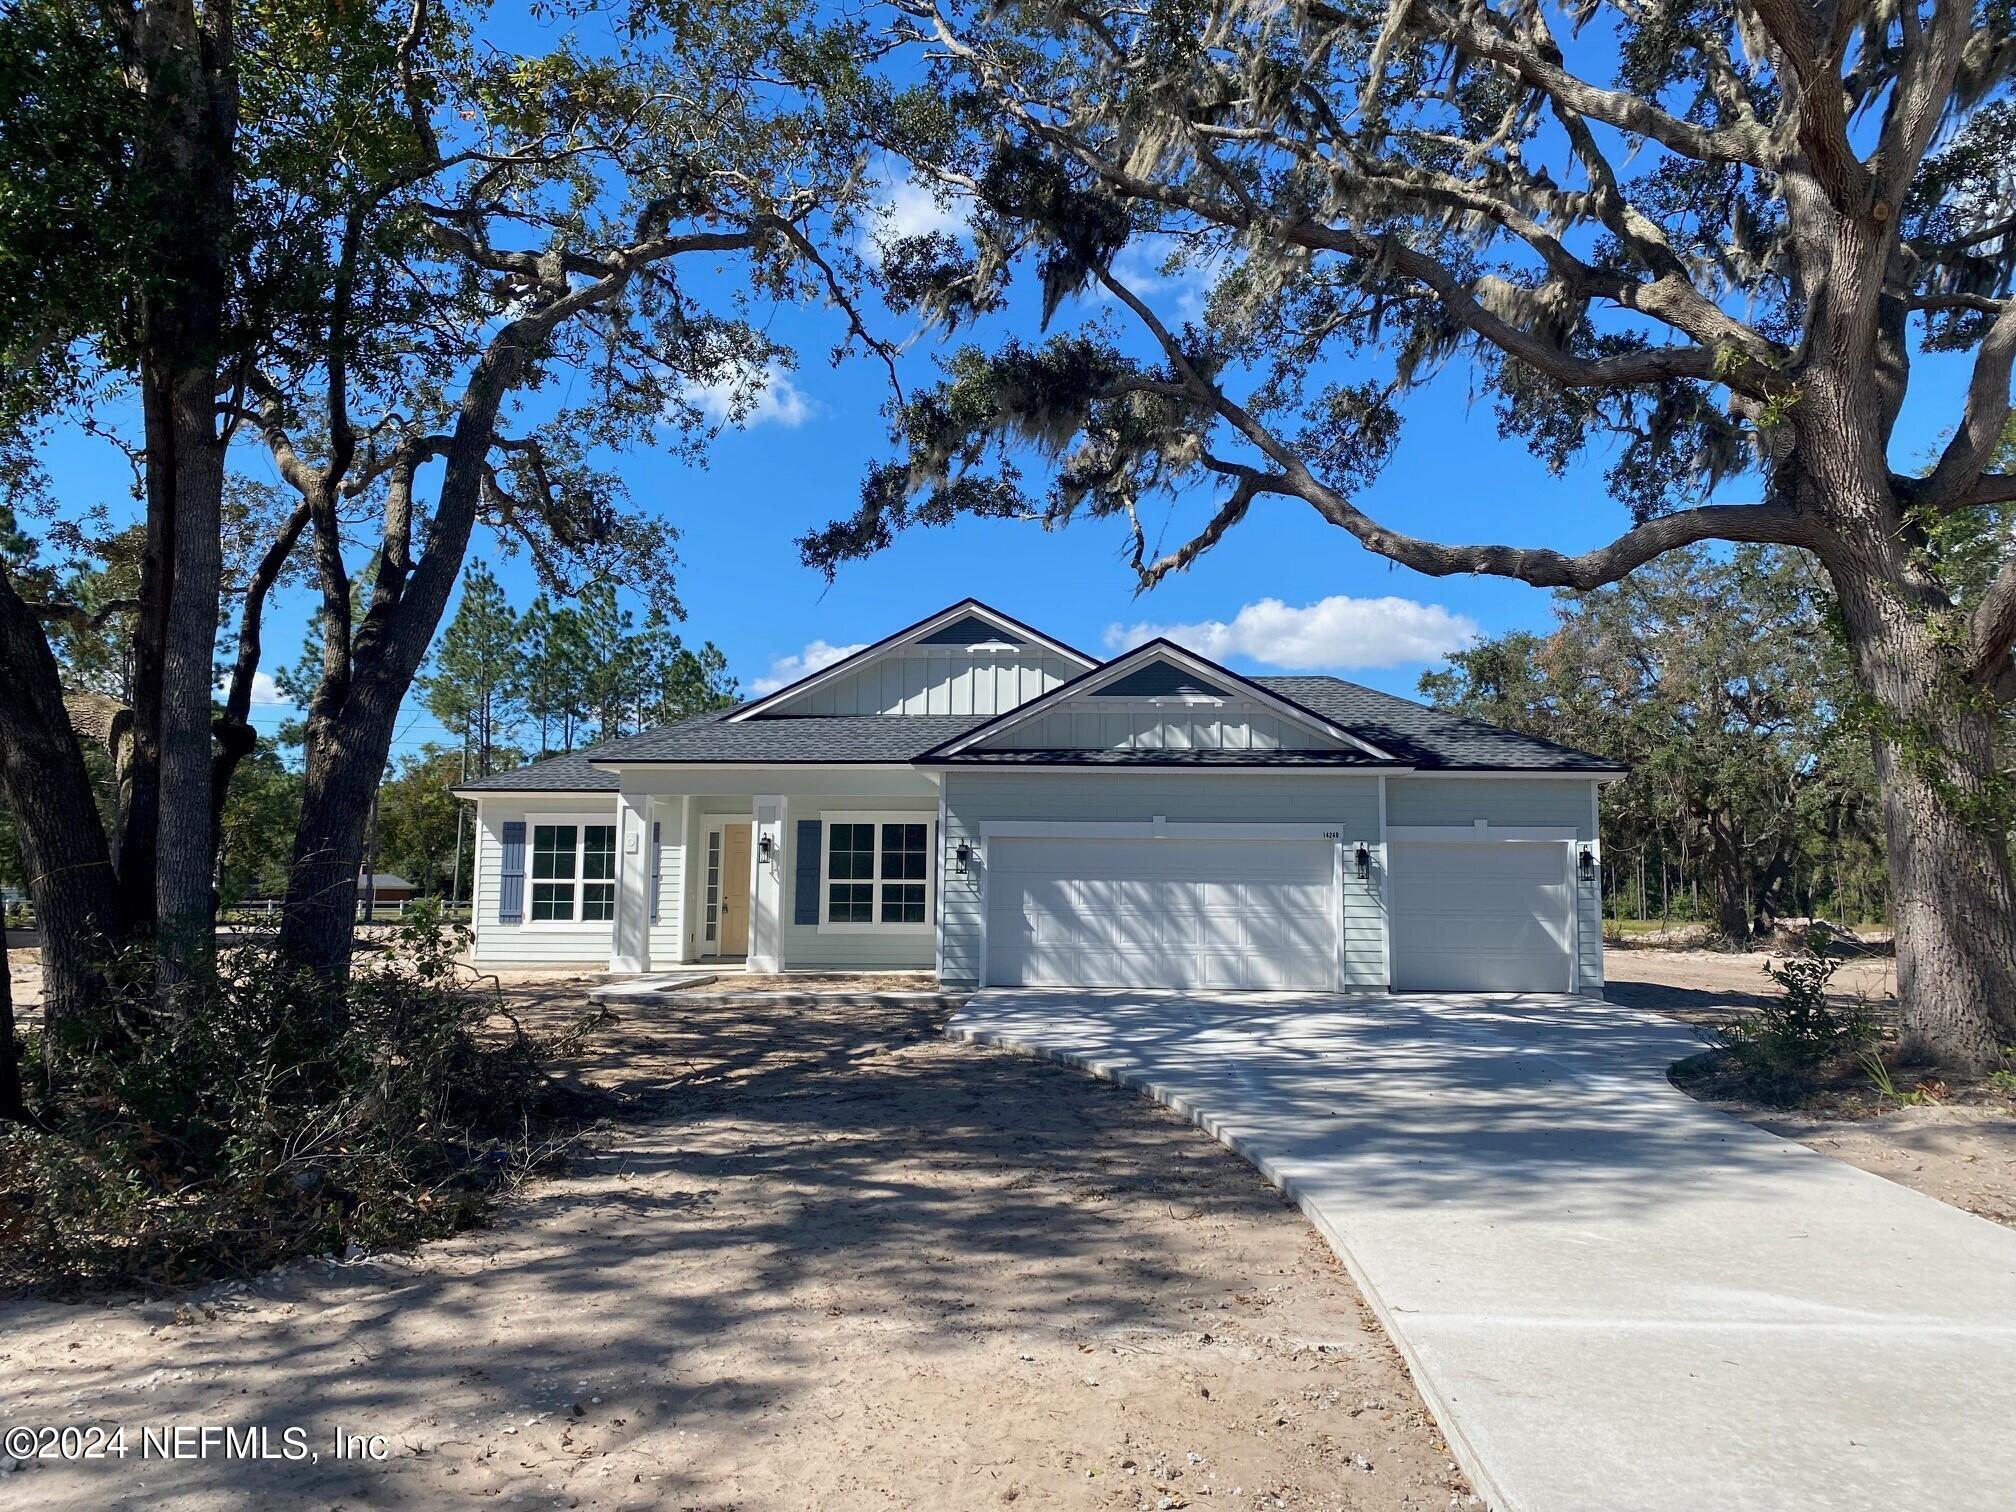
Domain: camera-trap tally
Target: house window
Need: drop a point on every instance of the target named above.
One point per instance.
(713, 881)
(573, 873)
(878, 874)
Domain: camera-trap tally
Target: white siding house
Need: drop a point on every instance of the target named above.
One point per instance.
(973, 798)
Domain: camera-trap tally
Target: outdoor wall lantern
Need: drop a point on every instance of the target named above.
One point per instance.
(962, 854)
(1588, 864)
(1364, 859)
(765, 845)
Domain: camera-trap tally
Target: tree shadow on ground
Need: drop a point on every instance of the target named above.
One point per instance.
(778, 1160)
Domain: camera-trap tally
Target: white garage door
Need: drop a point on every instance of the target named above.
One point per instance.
(1184, 914)
(1486, 917)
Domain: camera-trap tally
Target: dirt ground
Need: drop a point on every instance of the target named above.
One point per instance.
(24, 972)
(1963, 1155)
(831, 1260)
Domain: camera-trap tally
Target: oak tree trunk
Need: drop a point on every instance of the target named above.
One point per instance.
(1730, 882)
(183, 59)
(63, 849)
(187, 825)
(12, 1107)
(346, 758)
(1945, 823)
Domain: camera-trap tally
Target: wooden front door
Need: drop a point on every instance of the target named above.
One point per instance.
(734, 890)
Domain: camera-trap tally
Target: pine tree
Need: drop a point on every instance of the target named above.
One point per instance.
(555, 673)
(476, 688)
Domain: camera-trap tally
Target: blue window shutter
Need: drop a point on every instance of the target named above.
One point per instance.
(511, 875)
(805, 895)
(654, 871)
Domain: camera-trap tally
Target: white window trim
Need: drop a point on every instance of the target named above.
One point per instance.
(878, 817)
(581, 822)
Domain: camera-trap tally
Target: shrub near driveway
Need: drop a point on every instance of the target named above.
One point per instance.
(1800, 1032)
(240, 1131)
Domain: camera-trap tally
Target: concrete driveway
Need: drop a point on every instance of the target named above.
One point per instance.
(1611, 1296)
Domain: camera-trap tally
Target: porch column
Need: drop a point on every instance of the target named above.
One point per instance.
(766, 885)
(630, 935)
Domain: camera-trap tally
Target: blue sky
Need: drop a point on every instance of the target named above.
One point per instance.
(1283, 592)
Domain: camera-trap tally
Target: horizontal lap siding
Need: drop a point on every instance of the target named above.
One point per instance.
(974, 799)
(516, 944)
(805, 948)
(667, 929)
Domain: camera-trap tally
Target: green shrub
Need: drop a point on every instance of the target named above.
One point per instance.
(1795, 1035)
(268, 1117)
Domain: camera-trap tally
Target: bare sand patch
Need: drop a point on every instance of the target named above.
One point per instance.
(831, 1260)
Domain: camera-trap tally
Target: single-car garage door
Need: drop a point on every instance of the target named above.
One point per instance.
(1486, 916)
(1259, 915)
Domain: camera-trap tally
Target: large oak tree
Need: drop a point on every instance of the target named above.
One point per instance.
(1708, 235)
(438, 284)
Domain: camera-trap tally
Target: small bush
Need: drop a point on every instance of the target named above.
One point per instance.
(268, 1117)
(1795, 1035)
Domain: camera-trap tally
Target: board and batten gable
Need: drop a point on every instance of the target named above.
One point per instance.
(975, 799)
(937, 679)
(1121, 724)
(1508, 799)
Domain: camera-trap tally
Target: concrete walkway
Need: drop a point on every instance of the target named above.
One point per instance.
(1611, 1296)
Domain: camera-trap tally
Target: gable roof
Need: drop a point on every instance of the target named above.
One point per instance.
(970, 630)
(1412, 735)
(1379, 730)
(1431, 739)
(951, 618)
(1159, 679)
(1151, 654)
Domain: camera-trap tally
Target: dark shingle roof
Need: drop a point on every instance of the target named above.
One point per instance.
(787, 739)
(556, 774)
(1431, 739)
(1412, 733)
(1073, 757)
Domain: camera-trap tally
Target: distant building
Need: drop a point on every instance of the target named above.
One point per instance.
(384, 887)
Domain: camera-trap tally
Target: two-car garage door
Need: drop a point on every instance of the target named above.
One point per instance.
(1259, 915)
(1263, 914)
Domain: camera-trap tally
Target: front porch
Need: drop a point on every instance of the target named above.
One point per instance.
(819, 870)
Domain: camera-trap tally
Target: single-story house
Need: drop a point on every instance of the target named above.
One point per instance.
(384, 887)
(973, 797)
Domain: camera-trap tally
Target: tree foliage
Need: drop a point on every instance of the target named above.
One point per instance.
(1718, 681)
(1692, 242)
(440, 284)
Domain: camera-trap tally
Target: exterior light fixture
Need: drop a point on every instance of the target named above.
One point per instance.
(1364, 859)
(962, 855)
(1588, 863)
(766, 844)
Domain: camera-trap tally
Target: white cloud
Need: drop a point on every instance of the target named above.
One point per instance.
(785, 670)
(1140, 267)
(1331, 634)
(264, 691)
(767, 398)
(903, 208)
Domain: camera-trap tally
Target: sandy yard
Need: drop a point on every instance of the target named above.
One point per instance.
(833, 1260)
(24, 972)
